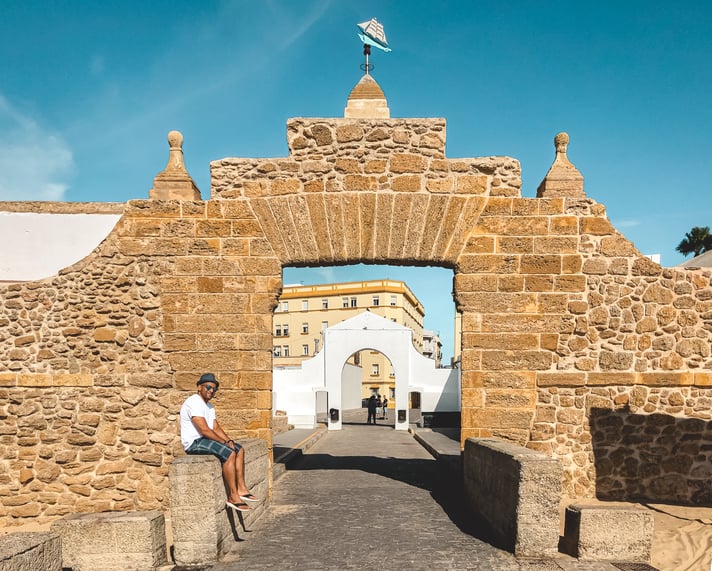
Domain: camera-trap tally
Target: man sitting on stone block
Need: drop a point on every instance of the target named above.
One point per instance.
(200, 433)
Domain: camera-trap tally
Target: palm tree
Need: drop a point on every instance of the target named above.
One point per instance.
(696, 241)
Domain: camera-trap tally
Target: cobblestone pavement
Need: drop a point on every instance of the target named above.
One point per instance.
(361, 498)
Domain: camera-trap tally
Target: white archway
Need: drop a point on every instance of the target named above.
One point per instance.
(369, 331)
(295, 389)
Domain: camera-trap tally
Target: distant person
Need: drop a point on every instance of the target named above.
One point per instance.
(371, 405)
(200, 433)
(385, 408)
(378, 402)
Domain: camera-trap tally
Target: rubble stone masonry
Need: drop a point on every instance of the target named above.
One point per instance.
(573, 343)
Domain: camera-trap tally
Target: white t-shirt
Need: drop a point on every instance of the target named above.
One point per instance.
(194, 406)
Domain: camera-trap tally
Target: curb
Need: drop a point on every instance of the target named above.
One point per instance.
(280, 463)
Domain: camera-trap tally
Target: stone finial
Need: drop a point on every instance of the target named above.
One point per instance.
(563, 178)
(367, 101)
(174, 182)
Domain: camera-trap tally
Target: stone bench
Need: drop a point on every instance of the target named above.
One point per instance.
(21, 551)
(516, 493)
(113, 541)
(203, 528)
(608, 532)
(280, 423)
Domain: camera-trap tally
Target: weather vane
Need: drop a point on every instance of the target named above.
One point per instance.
(372, 34)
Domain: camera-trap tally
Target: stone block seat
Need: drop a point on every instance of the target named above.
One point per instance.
(30, 550)
(113, 541)
(516, 492)
(608, 532)
(203, 528)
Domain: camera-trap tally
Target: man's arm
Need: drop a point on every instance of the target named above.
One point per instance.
(216, 433)
(217, 429)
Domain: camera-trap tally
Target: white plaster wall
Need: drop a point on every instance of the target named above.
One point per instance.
(439, 388)
(294, 390)
(351, 387)
(36, 246)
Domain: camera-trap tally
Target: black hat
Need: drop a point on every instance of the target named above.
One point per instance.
(208, 378)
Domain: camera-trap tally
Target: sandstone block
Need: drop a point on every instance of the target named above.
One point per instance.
(516, 492)
(357, 182)
(406, 183)
(446, 184)
(509, 398)
(284, 186)
(72, 380)
(34, 380)
(22, 551)
(571, 264)
(407, 163)
(523, 360)
(596, 226)
(540, 264)
(515, 244)
(112, 541)
(608, 532)
(375, 166)
(347, 165)
(471, 184)
(314, 186)
(349, 133)
(202, 528)
(616, 246)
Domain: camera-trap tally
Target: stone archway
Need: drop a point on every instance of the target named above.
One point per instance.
(380, 191)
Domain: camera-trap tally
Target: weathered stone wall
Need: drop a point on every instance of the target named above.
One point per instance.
(345, 155)
(632, 443)
(84, 414)
(63, 207)
(95, 362)
(627, 405)
(561, 316)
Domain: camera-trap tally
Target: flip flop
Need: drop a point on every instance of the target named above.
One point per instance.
(249, 498)
(239, 507)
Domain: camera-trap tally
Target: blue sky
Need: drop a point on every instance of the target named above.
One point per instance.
(88, 91)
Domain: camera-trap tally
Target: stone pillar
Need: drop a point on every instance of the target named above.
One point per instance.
(203, 529)
(367, 101)
(515, 491)
(563, 178)
(174, 182)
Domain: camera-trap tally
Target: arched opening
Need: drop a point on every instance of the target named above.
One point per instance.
(437, 334)
(384, 341)
(367, 373)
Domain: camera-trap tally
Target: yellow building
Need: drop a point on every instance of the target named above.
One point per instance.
(304, 311)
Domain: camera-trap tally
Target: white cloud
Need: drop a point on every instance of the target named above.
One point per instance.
(625, 223)
(300, 27)
(34, 163)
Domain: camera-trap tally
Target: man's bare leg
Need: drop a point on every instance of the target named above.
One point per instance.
(228, 472)
(242, 489)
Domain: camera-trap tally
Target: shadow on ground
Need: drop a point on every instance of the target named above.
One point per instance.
(443, 482)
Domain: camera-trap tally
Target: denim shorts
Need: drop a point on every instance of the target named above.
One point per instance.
(204, 445)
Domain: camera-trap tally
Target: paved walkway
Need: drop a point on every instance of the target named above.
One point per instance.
(366, 497)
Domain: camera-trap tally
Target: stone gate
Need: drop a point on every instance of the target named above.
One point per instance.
(573, 343)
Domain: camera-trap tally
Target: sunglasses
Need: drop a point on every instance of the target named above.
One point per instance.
(211, 388)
